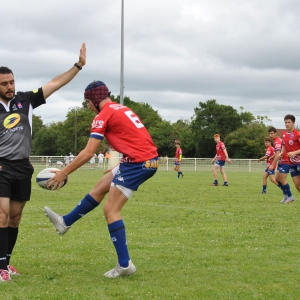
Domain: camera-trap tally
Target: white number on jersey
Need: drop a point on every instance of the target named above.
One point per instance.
(134, 119)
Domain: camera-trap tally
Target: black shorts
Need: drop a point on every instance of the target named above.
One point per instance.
(15, 179)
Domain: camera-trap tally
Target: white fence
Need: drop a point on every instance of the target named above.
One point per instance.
(188, 164)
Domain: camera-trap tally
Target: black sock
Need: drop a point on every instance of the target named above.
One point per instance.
(12, 238)
(3, 247)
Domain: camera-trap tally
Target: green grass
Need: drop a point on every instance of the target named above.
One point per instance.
(187, 239)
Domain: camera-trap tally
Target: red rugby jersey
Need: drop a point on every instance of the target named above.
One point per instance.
(291, 142)
(220, 147)
(124, 131)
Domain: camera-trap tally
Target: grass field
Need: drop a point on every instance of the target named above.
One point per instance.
(187, 239)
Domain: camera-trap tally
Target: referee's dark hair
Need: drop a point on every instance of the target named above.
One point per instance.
(5, 70)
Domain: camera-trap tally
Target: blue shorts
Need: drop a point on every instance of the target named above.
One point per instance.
(293, 169)
(132, 175)
(270, 172)
(284, 168)
(177, 163)
(220, 163)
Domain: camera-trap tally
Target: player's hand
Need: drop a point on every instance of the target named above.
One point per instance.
(213, 161)
(258, 160)
(82, 56)
(271, 167)
(57, 180)
(229, 160)
(291, 154)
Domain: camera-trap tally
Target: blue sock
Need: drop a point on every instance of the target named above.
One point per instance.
(287, 190)
(118, 237)
(280, 186)
(216, 181)
(178, 175)
(87, 204)
(264, 188)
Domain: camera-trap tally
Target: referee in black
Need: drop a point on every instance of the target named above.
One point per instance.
(15, 147)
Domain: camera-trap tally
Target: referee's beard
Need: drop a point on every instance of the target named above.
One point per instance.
(3, 96)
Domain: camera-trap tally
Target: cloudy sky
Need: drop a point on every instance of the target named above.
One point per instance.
(177, 53)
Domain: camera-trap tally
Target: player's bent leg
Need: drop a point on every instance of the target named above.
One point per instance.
(114, 203)
(272, 179)
(63, 223)
(102, 187)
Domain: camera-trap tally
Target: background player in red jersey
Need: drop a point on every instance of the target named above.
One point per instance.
(219, 161)
(126, 134)
(291, 146)
(288, 158)
(282, 160)
(178, 159)
(269, 156)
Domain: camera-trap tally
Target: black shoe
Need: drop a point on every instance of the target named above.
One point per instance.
(225, 184)
(214, 184)
(263, 192)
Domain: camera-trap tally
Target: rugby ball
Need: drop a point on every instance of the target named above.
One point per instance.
(45, 175)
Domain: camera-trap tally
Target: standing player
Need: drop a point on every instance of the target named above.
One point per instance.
(291, 146)
(269, 156)
(127, 134)
(178, 159)
(100, 160)
(93, 162)
(219, 161)
(283, 167)
(15, 147)
(66, 159)
(71, 157)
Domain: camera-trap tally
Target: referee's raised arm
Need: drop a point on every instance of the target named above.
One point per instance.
(61, 80)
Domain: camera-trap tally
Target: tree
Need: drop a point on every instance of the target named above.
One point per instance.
(248, 140)
(37, 124)
(182, 131)
(46, 140)
(163, 137)
(211, 118)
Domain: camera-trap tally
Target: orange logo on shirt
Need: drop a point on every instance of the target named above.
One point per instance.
(11, 121)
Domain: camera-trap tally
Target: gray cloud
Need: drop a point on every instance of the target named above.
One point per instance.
(177, 53)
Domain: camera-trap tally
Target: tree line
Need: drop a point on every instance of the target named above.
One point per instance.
(242, 133)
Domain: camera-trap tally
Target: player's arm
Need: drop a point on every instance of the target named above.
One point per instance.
(293, 153)
(61, 80)
(278, 154)
(262, 158)
(272, 157)
(227, 156)
(83, 157)
(214, 159)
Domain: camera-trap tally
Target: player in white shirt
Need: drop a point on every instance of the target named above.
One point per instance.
(100, 160)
